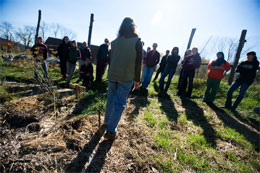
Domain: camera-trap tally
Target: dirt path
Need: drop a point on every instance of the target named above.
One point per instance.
(33, 138)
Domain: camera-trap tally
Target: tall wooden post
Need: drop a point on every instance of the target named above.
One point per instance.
(191, 37)
(239, 49)
(90, 29)
(38, 26)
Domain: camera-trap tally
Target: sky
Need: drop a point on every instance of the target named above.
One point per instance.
(166, 22)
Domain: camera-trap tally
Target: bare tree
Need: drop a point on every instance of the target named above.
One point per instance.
(55, 29)
(25, 35)
(7, 30)
(44, 30)
(67, 32)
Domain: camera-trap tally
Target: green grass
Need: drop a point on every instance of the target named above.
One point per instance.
(180, 140)
(150, 118)
(4, 95)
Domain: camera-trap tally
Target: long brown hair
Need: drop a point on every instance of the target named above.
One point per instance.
(127, 28)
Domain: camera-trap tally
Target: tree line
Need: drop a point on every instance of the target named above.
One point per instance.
(25, 35)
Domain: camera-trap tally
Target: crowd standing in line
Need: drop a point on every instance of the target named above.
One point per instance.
(127, 58)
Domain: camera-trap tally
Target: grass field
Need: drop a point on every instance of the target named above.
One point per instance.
(189, 135)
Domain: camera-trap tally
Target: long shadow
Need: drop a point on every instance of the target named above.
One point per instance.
(195, 113)
(140, 100)
(167, 106)
(251, 122)
(97, 91)
(99, 158)
(77, 164)
(229, 121)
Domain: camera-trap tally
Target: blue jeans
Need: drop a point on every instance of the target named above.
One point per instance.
(240, 96)
(148, 73)
(116, 102)
(70, 70)
(44, 67)
(166, 72)
(183, 85)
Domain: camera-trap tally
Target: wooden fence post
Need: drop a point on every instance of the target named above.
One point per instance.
(239, 49)
(38, 26)
(90, 29)
(191, 38)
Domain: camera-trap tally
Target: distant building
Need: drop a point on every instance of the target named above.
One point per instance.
(53, 44)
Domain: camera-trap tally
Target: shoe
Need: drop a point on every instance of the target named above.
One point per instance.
(110, 136)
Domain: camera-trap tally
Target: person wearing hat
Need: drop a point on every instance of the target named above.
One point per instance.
(247, 72)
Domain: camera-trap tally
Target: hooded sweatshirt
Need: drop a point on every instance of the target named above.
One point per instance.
(247, 71)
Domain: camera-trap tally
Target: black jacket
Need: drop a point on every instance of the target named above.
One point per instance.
(103, 53)
(247, 71)
(172, 61)
(86, 70)
(163, 62)
(63, 51)
(85, 53)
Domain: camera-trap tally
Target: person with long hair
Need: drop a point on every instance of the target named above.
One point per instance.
(247, 72)
(63, 53)
(215, 74)
(170, 69)
(124, 70)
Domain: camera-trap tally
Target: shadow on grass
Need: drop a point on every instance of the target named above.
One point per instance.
(140, 100)
(229, 121)
(93, 102)
(96, 164)
(196, 114)
(167, 106)
(251, 122)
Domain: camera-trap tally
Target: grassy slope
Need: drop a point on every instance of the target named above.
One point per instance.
(189, 134)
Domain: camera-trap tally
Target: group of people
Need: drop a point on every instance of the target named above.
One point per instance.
(69, 54)
(127, 58)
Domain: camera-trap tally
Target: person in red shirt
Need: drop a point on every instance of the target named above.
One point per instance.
(215, 74)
